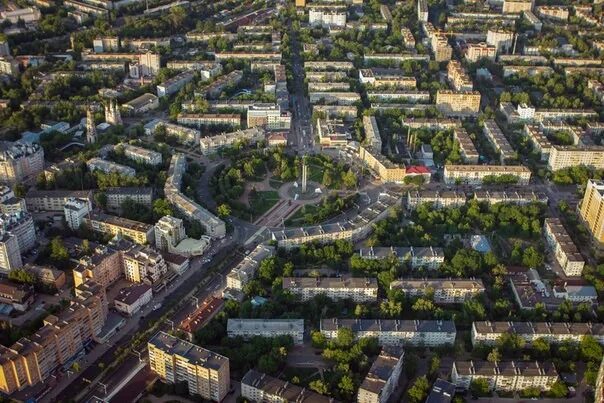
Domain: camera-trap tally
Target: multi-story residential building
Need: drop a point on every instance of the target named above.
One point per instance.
(9, 204)
(418, 257)
(520, 196)
(410, 96)
(388, 77)
(208, 70)
(561, 157)
(268, 116)
(97, 164)
(259, 387)
(27, 15)
(338, 98)
(18, 296)
(482, 50)
(498, 140)
(213, 226)
(22, 226)
(441, 48)
(118, 195)
(20, 162)
(328, 66)
(245, 271)
(142, 104)
(446, 291)
(75, 210)
(10, 255)
(385, 169)
(557, 13)
(372, 132)
(174, 84)
(131, 299)
(140, 154)
(9, 66)
(467, 148)
(591, 210)
(355, 288)
(383, 377)
(475, 174)
(438, 199)
(106, 44)
(459, 79)
(104, 267)
(501, 38)
(565, 251)
(599, 388)
(489, 332)
(430, 333)
(327, 18)
(206, 373)
(422, 10)
(209, 119)
(213, 144)
(408, 39)
(517, 6)
(185, 135)
(53, 200)
(32, 360)
(248, 328)
(333, 133)
(106, 224)
(215, 88)
(169, 231)
(143, 264)
(505, 375)
(455, 103)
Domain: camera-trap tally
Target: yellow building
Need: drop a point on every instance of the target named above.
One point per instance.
(174, 360)
(300, 3)
(458, 102)
(138, 232)
(592, 209)
(517, 6)
(384, 168)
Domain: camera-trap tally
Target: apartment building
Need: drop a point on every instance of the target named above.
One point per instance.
(458, 103)
(212, 225)
(418, 257)
(385, 169)
(338, 98)
(75, 210)
(422, 10)
(565, 251)
(498, 140)
(53, 200)
(104, 267)
(27, 15)
(557, 13)
(106, 224)
(143, 264)
(243, 55)
(591, 210)
(185, 135)
(209, 119)
(445, 291)
(372, 132)
(97, 164)
(140, 154)
(142, 104)
(517, 6)
(169, 232)
(245, 271)
(481, 50)
(333, 133)
(326, 17)
(383, 377)
(259, 387)
(118, 195)
(358, 289)
(20, 162)
(467, 148)
(386, 77)
(475, 174)
(520, 196)
(392, 332)
(553, 332)
(9, 204)
(18, 296)
(440, 48)
(505, 375)
(438, 199)
(431, 123)
(268, 116)
(459, 79)
(410, 96)
(561, 157)
(215, 88)
(501, 38)
(539, 141)
(208, 70)
(22, 226)
(408, 39)
(328, 65)
(206, 373)
(32, 360)
(213, 144)
(248, 328)
(10, 255)
(131, 300)
(174, 84)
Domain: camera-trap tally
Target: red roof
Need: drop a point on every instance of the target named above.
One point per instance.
(418, 170)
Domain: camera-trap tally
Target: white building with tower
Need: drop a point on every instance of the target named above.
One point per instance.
(75, 210)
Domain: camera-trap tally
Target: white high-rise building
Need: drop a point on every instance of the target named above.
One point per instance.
(169, 231)
(10, 256)
(75, 210)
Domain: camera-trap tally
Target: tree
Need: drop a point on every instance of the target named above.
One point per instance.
(346, 387)
(480, 387)
(22, 276)
(161, 208)
(101, 199)
(318, 386)
(558, 390)
(590, 349)
(349, 179)
(541, 348)
(58, 251)
(494, 356)
(419, 390)
(531, 258)
(86, 247)
(224, 210)
(318, 339)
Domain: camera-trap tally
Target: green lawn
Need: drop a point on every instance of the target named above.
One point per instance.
(298, 217)
(315, 173)
(262, 202)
